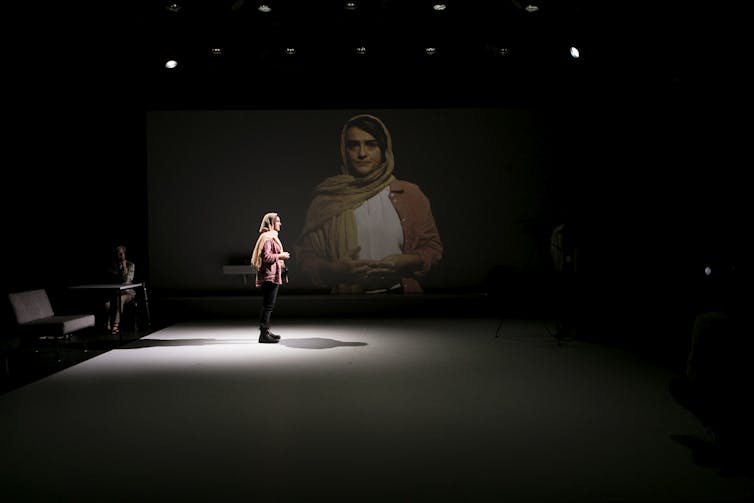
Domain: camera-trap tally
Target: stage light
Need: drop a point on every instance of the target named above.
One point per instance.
(440, 6)
(350, 6)
(575, 53)
(171, 63)
(263, 7)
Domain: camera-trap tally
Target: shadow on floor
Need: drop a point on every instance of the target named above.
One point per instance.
(24, 363)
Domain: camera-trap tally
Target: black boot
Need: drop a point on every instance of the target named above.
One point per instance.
(276, 336)
(265, 337)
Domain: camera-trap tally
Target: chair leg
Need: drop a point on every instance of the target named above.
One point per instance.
(57, 350)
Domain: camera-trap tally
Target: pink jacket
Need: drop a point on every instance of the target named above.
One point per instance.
(272, 264)
(420, 235)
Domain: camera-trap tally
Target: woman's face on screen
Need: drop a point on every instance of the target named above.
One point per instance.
(364, 153)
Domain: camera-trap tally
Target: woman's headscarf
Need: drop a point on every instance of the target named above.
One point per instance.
(267, 230)
(268, 222)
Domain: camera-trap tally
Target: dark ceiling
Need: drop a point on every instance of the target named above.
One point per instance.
(380, 47)
(328, 32)
(485, 51)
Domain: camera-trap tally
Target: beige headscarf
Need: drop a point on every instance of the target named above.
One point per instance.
(267, 230)
(330, 225)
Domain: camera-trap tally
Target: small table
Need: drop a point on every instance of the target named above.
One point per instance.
(244, 270)
(115, 287)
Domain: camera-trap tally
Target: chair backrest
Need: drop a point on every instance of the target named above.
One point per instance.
(30, 305)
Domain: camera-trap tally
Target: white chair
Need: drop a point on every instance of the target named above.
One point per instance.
(36, 319)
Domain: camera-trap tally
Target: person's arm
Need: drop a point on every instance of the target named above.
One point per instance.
(130, 270)
(268, 253)
(270, 256)
(122, 273)
(422, 245)
(428, 246)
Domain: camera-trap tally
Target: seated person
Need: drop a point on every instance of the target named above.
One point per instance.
(120, 271)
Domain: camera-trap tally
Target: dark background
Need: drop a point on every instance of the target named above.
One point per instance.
(640, 143)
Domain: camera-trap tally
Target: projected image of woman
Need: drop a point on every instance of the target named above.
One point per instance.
(365, 230)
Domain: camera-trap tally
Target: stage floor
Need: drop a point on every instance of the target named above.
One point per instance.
(354, 410)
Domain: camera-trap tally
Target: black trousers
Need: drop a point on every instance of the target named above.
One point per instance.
(269, 297)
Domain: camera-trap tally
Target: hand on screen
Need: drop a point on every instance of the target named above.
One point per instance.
(395, 264)
(350, 267)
